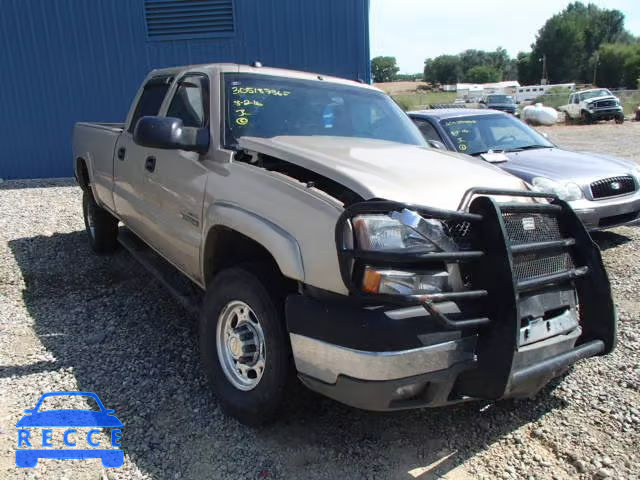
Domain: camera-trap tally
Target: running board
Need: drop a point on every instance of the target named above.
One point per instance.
(184, 290)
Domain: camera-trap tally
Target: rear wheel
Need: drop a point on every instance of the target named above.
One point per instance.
(244, 346)
(101, 226)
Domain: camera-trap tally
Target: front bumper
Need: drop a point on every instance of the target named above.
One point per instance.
(512, 328)
(608, 213)
(606, 113)
(399, 359)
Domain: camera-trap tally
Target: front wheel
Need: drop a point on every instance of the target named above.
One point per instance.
(243, 345)
(620, 119)
(586, 117)
(101, 226)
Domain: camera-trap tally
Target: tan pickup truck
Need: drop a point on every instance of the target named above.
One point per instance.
(306, 221)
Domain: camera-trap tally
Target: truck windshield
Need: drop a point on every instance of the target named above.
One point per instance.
(268, 106)
(602, 92)
(479, 134)
(500, 99)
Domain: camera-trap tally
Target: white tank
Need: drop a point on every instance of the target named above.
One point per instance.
(538, 114)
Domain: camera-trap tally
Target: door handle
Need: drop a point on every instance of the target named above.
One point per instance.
(150, 164)
(121, 152)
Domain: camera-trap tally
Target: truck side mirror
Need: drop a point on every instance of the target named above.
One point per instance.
(170, 133)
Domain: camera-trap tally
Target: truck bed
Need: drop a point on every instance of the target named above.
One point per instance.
(94, 143)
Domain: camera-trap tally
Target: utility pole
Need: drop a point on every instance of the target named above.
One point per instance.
(596, 60)
(544, 80)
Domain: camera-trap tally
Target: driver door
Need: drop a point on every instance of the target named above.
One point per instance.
(175, 180)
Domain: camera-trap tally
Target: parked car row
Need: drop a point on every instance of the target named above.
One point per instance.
(323, 235)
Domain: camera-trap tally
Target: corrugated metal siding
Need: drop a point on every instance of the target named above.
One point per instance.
(64, 61)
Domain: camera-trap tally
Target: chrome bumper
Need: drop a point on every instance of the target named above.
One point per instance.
(607, 213)
(326, 362)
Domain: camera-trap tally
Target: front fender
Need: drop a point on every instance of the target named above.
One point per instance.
(281, 244)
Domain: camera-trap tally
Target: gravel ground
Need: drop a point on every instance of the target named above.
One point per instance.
(70, 320)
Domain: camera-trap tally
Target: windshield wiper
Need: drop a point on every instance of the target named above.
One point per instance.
(527, 147)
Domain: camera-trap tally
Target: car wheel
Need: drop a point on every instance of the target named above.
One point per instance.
(585, 117)
(101, 226)
(620, 119)
(244, 346)
(26, 459)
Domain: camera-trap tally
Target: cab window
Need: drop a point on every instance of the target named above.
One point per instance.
(151, 99)
(189, 103)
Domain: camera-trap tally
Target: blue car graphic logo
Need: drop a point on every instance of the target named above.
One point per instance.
(68, 418)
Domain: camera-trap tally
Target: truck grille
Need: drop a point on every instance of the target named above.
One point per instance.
(605, 104)
(524, 228)
(531, 227)
(461, 232)
(613, 186)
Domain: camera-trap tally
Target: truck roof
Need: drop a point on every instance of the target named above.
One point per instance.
(237, 67)
(446, 113)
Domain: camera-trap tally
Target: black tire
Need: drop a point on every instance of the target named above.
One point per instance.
(261, 404)
(101, 226)
(586, 117)
(619, 119)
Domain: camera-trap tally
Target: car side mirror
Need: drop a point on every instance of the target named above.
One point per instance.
(436, 144)
(169, 133)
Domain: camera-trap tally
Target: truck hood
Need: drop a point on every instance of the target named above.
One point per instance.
(387, 170)
(603, 97)
(564, 165)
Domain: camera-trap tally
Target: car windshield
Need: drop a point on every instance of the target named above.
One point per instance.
(601, 92)
(481, 133)
(78, 402)
(268, 106)
(500, 99)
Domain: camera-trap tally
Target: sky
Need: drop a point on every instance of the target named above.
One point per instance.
(413, 30)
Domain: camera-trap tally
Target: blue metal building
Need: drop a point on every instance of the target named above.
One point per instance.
(64, 61)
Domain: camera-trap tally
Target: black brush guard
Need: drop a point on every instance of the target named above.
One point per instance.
(491, 259)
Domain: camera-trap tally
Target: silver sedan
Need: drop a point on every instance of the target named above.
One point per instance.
(603, 190)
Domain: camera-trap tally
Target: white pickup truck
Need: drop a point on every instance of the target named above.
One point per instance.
(314, 230)
(592, 105)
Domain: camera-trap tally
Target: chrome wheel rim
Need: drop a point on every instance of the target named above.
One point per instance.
(240, 345)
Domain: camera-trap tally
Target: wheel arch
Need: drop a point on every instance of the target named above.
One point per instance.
(81, 172)
(236, 235)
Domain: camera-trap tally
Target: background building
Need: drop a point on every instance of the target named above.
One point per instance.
(65, 61)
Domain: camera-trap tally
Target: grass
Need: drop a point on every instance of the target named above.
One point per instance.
(415, 101)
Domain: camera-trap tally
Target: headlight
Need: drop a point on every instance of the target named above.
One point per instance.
(568, 191)
(404, 230)
(398, 282)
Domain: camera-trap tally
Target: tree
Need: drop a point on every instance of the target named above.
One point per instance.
(483, 74)
(443, 69)
(570, 38)
(611, 64)
(632, 70)
(384, 69)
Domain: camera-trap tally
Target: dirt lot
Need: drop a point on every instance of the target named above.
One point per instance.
(72, 321)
